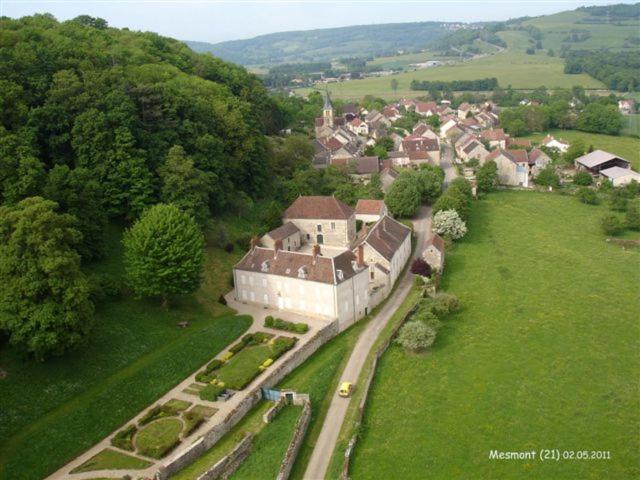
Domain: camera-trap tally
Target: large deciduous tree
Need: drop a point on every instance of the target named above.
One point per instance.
(185, 186)
(404, 196)
(78, 192)
(164, 252)
(44, 299)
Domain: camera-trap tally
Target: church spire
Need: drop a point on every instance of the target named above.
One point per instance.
(327, 100)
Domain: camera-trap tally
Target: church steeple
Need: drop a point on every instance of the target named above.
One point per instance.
(327, 110)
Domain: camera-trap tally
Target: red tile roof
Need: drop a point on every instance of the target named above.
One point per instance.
(494, 134)
(369, 207)
(316, 207)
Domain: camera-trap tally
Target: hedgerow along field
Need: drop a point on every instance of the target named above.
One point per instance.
(625, 146)
(51, 412)
(542, 355)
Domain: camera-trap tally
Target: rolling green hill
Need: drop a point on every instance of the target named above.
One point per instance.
(326, 44)
(614, 28)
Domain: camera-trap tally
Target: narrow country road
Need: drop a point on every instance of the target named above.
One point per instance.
(446, 162)
(326, 442)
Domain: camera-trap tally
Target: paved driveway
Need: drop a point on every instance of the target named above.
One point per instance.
(326, 442)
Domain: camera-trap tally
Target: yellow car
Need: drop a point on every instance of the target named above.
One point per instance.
(346, 388)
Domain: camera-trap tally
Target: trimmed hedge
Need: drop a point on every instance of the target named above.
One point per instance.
(281, 345)
(280, 324)
(124, 438)
(213, 365)
(211, 392)
(192, 420)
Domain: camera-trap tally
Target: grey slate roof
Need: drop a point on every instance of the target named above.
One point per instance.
(598, 157)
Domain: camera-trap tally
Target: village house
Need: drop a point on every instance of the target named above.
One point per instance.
(387, 176)
(387, 247)
(464, 110)
(599, 160)
(434, 252)
(627, 106)
(288, 235)
(518, 167)
(334, 287)
(428, 148)
(468, 147)
(350, 111)
(550, 142)
(369, 211)
(426, 109)
(423, 130)
(325, 125)
(450, 128)
(322, 220)
(360, 168)
(358, 127)
(496, 137)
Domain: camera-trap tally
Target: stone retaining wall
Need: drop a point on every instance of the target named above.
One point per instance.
(269, 415)
(274, 376)
(344, 475)
(227, 465)
(296, 442)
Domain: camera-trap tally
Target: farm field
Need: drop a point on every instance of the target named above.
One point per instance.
(627, 147)
(52, 411)
(605, 35)
(543, 354)
(511, 67)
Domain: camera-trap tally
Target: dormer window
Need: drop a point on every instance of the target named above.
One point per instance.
(340, 275)
(265, 266)
(302, 272)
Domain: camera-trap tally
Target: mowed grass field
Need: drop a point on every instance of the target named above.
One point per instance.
(627, 147)
(542, 355)
(52, 411)
(511, 67)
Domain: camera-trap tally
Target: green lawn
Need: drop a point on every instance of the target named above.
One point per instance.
(627, 147)
(156, 439)
(631, 125)
(269, 447)
(112, 459)
(543, 354)
(50, 412)
(241, 368)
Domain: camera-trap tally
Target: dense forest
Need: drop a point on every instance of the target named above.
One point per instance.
(617, 70)
(98, 124)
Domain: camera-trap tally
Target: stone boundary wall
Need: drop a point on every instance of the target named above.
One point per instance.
(344, 475)
(296, 442)
(269, 415)
(211, 437)
(227, 465)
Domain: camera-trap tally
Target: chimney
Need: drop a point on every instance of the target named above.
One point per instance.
(360, 256)
(277, 247)
(254, 242)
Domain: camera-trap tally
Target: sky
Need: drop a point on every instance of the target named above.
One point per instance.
(219, 20)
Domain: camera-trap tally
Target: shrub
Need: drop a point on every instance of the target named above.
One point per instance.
(229, 247)
(280, 324)
(632, 218)
(416, 336)
(618, 199)
(256, 338)
(449, 224)
(282, 345)
(211, 392)
(213, 365)
(487, 176)
(124, 438)
(226, 356)
(205, 377)
(611, 225)
(587, 195)
(428, 318)
(583, 178)
(420, 267)
(222, 300)
(444, 304)
(192, 420)
(548, 177)
(237, 347)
